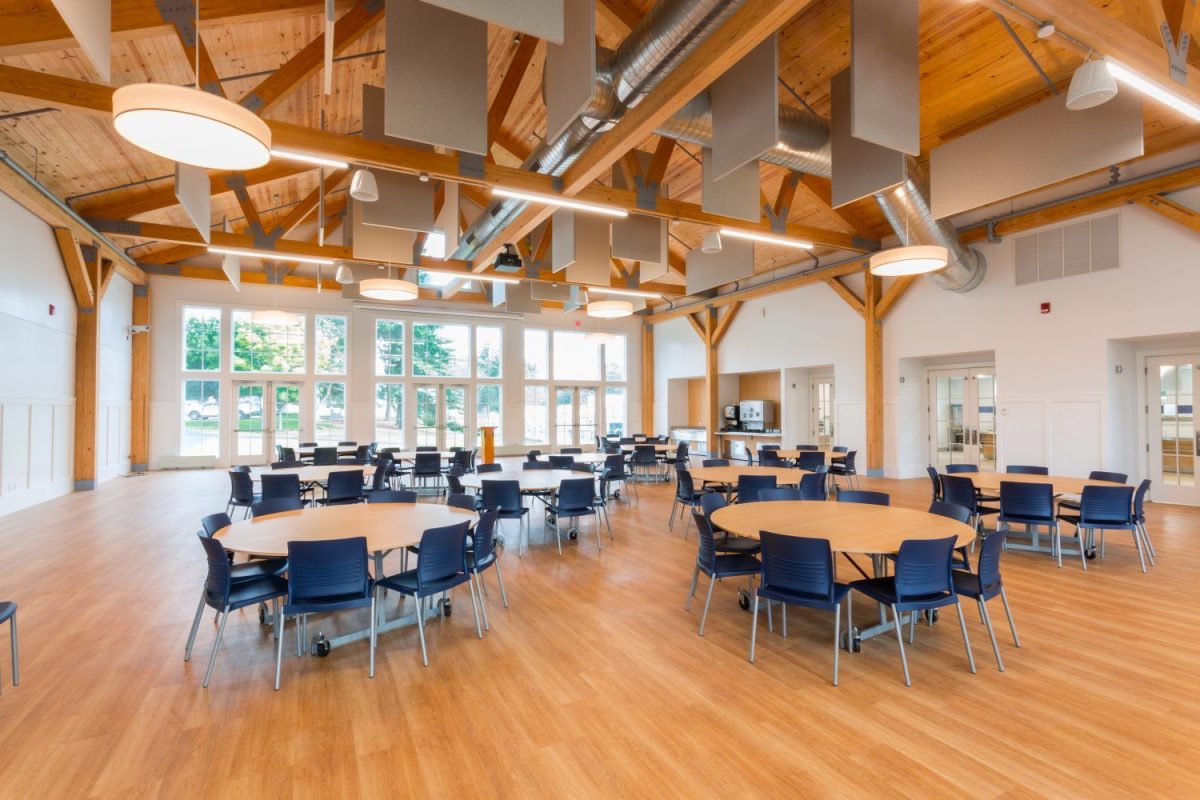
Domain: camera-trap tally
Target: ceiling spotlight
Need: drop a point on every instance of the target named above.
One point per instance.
(363, 186)
(1091, 85)
(424, 177)
(711, 243)
(609, 309)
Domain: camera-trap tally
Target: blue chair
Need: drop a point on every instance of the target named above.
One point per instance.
(680, 456)
(275, 487)
(769, 458)
(241, 492)
(277, 506)
(644, 461)
(686, 496)
(505, 497)
(780, 493)
(1032, 504)
(936, 481)
(536, 465)
(571, 451)
(799, 571)
(1023, 469)
(246, 571)
(467, 502)
(725, 542)
(328, 575)
(960, 491)
(868, 498)
(481, 556)
(427, 448)
(8, 613)
(482, 468)
(717, 566)
(748, 487)
(574, 500)
(1139, 516)
(715, 462)
(222, 594)
(955, 469)
(344, 487)
(986, 584)
(379, 478)
(812, 486)
(1071, 502)
(958, 514)
(845, 467)
(922, 583)
(615, 472)
(809, 460)
(441, 567)
(392, 496)
(806, 447)
(325, 457)
(1105, 508)
(426, 465)
(532, 455)
(462, 459)
(561, 462)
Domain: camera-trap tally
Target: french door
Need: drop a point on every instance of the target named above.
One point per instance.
(962, 417)
(575, 415)
(442, 416)
(1172, 441)
(267, 414)
(820, 428)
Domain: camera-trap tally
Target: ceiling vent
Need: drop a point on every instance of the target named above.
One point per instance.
(1076, 249)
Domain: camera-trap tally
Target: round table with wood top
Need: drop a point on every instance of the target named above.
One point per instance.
(310, 474)
(411, 455)
(532, 481)
(991, 481)
(658, 448)
(728, 476)
(307, 452)
(794, 454)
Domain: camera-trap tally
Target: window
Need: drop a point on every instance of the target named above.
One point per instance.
(389, 347)
(389, 414)
(489, 344)
(267, 346)
(537, 415)
(330, 412)
(330, 345)
(441, 351)
(202, 339)
(487, 408)
(537, 355)
(614, 410)
(201, 419)
(614, 358)
(576, 357)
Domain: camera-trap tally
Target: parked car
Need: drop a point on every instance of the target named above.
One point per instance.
(195, 410)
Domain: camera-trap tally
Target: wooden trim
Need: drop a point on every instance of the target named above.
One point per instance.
(647, 377)
(847, 294)
(1173, 211)
(726, 320)
(710, 378)
(139, 391)
(77, 272)
(893, 294)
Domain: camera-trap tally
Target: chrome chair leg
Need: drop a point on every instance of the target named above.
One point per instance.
(478, 577)
(421, 632)
(837, 635)
(474, 607)
(712, 581)
(279, 647)
(753, 627)
(783, 611)
(962, 623)
(898, 625)
(16, 662)
(374, 632)
(212, 658)
(1137, 542)
(987, 623)
(692, 591)
(187, 651)
(500, 580)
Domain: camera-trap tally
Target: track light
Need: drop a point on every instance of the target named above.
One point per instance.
(363, 186)
(1150, 88)
(271, 254)
(320, 161)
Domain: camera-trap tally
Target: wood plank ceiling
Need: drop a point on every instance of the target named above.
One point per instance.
(972, 73)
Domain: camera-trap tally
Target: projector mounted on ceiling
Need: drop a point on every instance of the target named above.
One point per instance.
(507, 260)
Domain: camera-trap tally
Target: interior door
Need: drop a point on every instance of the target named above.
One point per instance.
(820, 413)
(962, 417)
(252, 431)
(1171, 440)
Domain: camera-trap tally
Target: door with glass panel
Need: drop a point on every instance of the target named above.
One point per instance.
(575, 415)
(267, 414)
(1172, 441)
(441, 416)
(821, 411)
(962, 417)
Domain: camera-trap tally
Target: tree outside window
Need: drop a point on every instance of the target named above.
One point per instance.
(440, 351)
(201, 339)
(267, 347)
(330, 345)
(389, 347)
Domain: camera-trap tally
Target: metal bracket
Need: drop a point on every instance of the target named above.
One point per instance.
(1176, 55)
(160, 269)
(181, 14)
(253, 102)
(117, 226)
(576, 301)
(89, 252)
(1114, 175)
(141, 290)
(991, 232)
(470, 165)
(373, 5)
(647, 193)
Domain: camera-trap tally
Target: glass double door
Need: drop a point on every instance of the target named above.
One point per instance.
(1172, 442)
(575, 415)
(267, 414)
(441, 416)
(962, 417)
(820, 426)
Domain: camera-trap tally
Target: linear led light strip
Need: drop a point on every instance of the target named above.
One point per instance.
(555, 200)
(766, 238)
(623, 292)
(1149, 88)
(292, 155)
(469, 276)
(271, 254)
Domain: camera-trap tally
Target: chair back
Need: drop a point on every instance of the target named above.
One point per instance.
(241, 468)
(626, 440)
(1025, 469)
(561, 462)
(712, 502)
(706, 555)
(215, 522)
(481, 468)
(681, 451)
(568, 451)
(289, 455)
(379, 477)
(426, 448)
(644, 454)
(462, 458)
(241, 487)
(328, 570)
(867, 498)
(812, 487)
(1027, 500)
(1113, 477)
(950, 511)
(807, 447)
(769, 458)
(780, 493)
(576, 494)
(348, 444)
(286, 464)
(362, 454)
(923, 567)
(443, 553)
(502, 495)
(810, 460)
(615, 464)
(427, 463)
(392, 496)
(1111, 505)
(454, 479)
(685, 488)
(308, 444)
(715, 462)
(954, 469)
(345, 484)
(848, 461)
(463, 501)
(1139, 501)
(218, 581)
(840, 449)
(277, 486)
(276, 506)
(988, 567)
(958, 490)
(483, 538)
(582, 466)
(532, 455)
(937, 484)
(748, 487)
(798, 564)
(324, 456)
(537, 465)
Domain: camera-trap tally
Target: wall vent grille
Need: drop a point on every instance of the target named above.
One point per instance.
(1076, 249)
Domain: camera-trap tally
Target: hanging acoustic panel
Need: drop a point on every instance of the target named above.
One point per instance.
(639, 237)
(570, 73)
(374, 100)
(194, 193)
(375, 243)
(710, 270)
(554, 292)
(745, 109)
(231, 265)
(592, 262)
(562, 242)
(540, 18)
(885, 96)
(735, 195)
(860, 169)
(437, 88)
(447, 219)
(90, 22)
(519, 297)
(404, 202)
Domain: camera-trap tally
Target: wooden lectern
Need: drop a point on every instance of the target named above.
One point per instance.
(488, 434)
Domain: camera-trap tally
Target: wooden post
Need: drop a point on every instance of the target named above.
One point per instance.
(139, 392)
(488, 434)
(710, 379)
(87, 358)
(874, 364)
(648, 379)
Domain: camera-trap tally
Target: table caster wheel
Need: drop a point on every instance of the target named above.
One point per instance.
(447, 608)
(262, 615)
(743, 600)
(321, 646)
(1091, 554)
(931, 615)
(573, 535)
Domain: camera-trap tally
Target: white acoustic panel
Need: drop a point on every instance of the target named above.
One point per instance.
(518, 297)
(1031, 149)
(194, 193)
(374, 243)
(860, 169)
(885, 88)
(562, 245)
(404, 202)
(447, 219)
(745, 109)
(436, 86)
(540, 18)
(554, 292)
(231, 265)
(593, 250)
(90, 22)
(638, 237)
(710, 270)
(374, 100)
(1105, 244)
(735, 195)
(570, 74)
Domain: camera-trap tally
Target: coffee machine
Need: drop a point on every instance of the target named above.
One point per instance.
(756, 415)
(732, 417)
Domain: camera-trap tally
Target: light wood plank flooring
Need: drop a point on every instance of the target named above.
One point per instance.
(593, 683)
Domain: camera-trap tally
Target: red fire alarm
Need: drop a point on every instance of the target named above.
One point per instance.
(1045, 308)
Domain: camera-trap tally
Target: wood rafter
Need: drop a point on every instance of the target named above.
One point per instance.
(189, 39)
(502, 102)
(1173, 211)
(77, 271)
(893, 294)
(620, 14)
(847, 294)
(661, 159)
(821, 190)
(725, 321)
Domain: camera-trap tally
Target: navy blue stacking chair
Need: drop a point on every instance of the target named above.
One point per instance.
(532, 455)
(505, 497)
(869, 498)
(481, 468)
(954, 469)
(986, 584)
(1105, 508)
(1071, 503)
(807, 447)
(960, 490)
(481, 556)
(715, 462)
(327, 575)
(936, 481)
(427, 465)
(717, 566)
(241, 492)
(529, 465)
(958, 514)
(561, 462)
(246, 571)
(8, 613)
(780, 493)
(463, 460)
(686, 496)
(1032, 504)
(799, 571)
(1139, 516)
(769, 458)
(845, 467)
(467, 502)
(571, 451)
(725, 542)
(222, 594)
(748, 487)
(379, 478)
(441, 567)
(344, 487)
(279, 505)
(454, 480)
(679, 457)
(644, 461)
(809, 460)
(392, 496)
(427, 448)
(812, 486)
(280, 486)
(1024, 469)
(583, 466)
(922, 583)
(362, 454)
(575, 499)
(615, 472)
(325, 457)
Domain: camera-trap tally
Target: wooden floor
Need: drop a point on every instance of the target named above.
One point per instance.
(593, 683)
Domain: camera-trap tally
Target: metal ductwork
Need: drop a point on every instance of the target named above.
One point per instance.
(663, 38)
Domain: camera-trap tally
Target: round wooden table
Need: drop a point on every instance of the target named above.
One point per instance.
(311, 474)
(531, 480)
(784, 476)
(1062, 484)
(793, 454)
(658, 448)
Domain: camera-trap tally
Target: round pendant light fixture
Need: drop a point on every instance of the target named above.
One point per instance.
(1091, 85)
(609, 309)
(911, 260)
(274, 316)
(191, 126)
(391, 289)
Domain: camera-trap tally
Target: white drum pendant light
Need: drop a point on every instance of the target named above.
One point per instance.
(363, 186)
(909, 259)
(1091, 85)
(391, 289)
(609, 309)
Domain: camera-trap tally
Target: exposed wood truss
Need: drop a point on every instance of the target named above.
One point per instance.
(1171, 210)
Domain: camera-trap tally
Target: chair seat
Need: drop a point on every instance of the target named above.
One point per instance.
(253, 570)
(567, 513)
(985, 510)
(340, 501)
(737, 544)
(7, 609)
(406, 583)
(332, 603)
(1026, 520)
(967, 584)
(808, 599)
(883, 590)
(736, 564)
(256, 591)
(256, 499)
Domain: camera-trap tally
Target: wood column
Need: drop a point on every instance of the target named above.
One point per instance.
(648, 379)
(87, 361)
(710, 379)
(139, 391)
(874, 364)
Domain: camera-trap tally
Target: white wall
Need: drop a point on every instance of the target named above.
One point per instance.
(114, 380)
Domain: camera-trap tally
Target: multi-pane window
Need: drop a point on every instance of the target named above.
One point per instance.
(267, 346)
(489, 344)
(578, 369)
(330, 411)
(389, 347)
(389, 414)
(537, 354)
(201, 339)
(330, 345)
(576, 356)
(537, 415)
(441, 350)
(488, 408)
(614, 358)
(614, 410)
(201, 434)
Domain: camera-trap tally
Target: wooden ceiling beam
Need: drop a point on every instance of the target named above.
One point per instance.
(620, 14)
(1173, 211)
(726, 320)
(657, 170)
(507, 91)
(208, 80)
(846, 293)
(893, 294)
(77, 271)
(333, 181)
(821, 190)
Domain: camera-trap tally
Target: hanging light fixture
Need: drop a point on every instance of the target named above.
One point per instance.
(391, 289)
(274, 315)
(711, 243)
(609, 309)
(1091, 85)
(363, 186)
(908, 259)
(190, 125)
